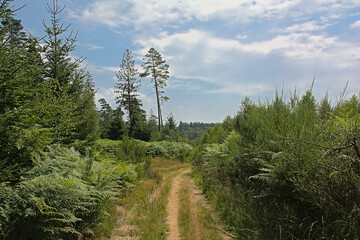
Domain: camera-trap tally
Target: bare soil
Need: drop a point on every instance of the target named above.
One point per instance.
(172, 208)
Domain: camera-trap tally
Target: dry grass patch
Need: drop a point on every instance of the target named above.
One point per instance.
(197, 219)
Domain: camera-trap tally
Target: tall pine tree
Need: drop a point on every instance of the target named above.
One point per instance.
(155, 67)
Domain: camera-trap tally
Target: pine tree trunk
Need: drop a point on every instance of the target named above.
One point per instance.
(158, 105)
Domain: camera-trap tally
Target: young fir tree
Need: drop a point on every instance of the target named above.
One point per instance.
(171, 122)
(87, 118)
(127, 86)
(156, 67)
(70, 90)
(106, 113)
(60, 66)
(116, 129)
(20, 88)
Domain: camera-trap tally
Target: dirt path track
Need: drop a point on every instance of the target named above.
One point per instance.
(168, 206)
(172, 207)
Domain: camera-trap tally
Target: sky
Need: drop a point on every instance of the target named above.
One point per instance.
(219, 51)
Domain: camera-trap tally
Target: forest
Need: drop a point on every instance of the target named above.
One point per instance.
(279, 169)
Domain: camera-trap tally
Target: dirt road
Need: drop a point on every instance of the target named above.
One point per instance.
(169, 206)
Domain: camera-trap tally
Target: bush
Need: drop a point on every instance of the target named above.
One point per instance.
(288, 171)
(131, 150)
(166, 149)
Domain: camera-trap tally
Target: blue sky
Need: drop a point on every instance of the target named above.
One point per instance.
(218, 50)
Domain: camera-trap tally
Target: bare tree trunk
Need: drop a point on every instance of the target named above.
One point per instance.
(160, 122)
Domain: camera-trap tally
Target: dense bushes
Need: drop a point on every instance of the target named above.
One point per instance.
(288, 170)
(178, 150)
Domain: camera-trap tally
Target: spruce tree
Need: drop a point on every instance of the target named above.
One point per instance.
(127, 86)
(106, 113)
(60, 66)
(156, 67)
(70, 87)
(116, 129)
(20, 96)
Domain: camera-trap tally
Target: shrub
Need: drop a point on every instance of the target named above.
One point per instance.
(166, 149)
(289, 171)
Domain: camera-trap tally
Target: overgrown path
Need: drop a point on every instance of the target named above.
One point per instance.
(167, 206)
(173, 205)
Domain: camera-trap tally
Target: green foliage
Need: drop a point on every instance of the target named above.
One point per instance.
(288, 171)
(117, 127)
(45, 97)
(127, 86)
(112, 125)
(131, 150)
(193, 130)
(62, 196)
(177, 150)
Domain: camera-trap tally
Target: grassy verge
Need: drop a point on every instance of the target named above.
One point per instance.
(185, 212)
(197, 219)
(108, 222)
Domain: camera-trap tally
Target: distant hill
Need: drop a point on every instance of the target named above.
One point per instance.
(193, 130)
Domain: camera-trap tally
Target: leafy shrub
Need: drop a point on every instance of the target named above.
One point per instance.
(107, 146)
(131, 150)
(166, 149)
(288, 171)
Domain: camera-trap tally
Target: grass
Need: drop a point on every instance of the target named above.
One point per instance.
(185, 212)
(197, 219)
(108, 223)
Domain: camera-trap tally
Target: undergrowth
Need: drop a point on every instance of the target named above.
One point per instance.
(64, 196)
(286, 170)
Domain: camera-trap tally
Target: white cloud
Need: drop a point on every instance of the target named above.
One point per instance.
(241, 37)
(299, 46)
(111, 69)
(108, 94)
(94, 47)
(147, 100)
(93, 68)
(234, 66)
(306, 27)
(244, 89)
(160, 13)
(355, 24)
